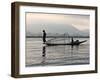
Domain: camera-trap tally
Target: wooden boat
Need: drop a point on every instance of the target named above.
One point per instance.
(71, 43)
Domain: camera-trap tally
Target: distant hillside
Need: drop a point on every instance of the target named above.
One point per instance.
(59, 30)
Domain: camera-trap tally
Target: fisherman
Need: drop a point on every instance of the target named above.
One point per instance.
(77, 41)
(44, 36)
(72, 40)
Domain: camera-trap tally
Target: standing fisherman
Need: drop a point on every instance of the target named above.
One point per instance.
(72, 40)
(44, 36)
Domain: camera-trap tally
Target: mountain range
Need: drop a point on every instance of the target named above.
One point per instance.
(59, 29)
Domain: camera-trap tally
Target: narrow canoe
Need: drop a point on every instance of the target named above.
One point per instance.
(74, 43)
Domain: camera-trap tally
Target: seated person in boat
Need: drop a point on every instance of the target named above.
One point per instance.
(77, 41)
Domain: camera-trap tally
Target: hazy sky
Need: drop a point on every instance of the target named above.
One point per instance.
(36, 22)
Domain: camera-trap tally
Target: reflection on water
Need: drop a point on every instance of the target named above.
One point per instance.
(38, 54)
(43, 51)
(43, 60)
(43, 55)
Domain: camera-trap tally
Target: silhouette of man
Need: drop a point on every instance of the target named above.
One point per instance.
(77, 41)
(72, 40)
(44, 36)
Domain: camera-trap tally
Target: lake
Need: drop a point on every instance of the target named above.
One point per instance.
(39, 54)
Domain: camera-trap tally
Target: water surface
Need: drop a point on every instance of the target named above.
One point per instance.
(38, 54)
